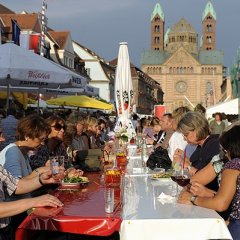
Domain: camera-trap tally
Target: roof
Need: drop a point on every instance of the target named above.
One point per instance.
(209, 9)
(213, 57)
(153, 57)
(59, 37)
(182, 26)
(5, 10)
(132, 67)
(25, 21)
(157, 10)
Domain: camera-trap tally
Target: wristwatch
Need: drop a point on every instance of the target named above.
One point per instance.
(193, 198)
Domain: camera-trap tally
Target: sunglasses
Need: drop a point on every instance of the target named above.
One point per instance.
(59, 126)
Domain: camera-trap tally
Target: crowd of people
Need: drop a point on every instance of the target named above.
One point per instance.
(210, 151)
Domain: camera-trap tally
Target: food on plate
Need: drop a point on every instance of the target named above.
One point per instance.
(73, 175)
(161, 175)
(76, 180)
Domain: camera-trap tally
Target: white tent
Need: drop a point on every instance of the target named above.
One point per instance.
(229, 107)
(23, 68)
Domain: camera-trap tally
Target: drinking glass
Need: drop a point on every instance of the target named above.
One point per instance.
(181, 177)
(112, 177)
(57, 166)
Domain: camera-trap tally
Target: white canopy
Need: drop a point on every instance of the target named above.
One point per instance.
(229, 107)
(21, 67)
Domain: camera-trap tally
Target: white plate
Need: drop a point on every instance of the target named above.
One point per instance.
(161, 179)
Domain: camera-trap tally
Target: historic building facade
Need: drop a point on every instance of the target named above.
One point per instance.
(187, 73)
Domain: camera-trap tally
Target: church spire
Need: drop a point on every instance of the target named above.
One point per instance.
(158, 10)
(209, 18)
(157, 28)
(209, 9)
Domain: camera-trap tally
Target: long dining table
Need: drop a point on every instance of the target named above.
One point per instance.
(144, 208)
(83, 213)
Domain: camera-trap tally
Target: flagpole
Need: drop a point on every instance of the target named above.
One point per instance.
(43, 25)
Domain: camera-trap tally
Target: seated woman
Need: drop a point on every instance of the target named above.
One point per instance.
(158, 134)
(53, 145)
(92, 128)
(76, 126)
(229, 190)
(195, 129)
(31, 132)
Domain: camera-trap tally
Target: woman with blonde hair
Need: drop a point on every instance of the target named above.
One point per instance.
(176, 141)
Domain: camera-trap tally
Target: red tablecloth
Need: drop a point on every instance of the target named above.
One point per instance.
(83, 212)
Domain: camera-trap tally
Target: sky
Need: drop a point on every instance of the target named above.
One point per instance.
(101, 25)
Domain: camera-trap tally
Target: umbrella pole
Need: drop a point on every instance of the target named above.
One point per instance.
(38, 101)
(8, 96)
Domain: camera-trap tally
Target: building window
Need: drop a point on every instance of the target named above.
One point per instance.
(65, 61)
(156, 40)
(157, 28)
(88, 71)
(70, 63)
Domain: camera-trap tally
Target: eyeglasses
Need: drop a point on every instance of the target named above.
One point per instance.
(58, 127)
(185, 134)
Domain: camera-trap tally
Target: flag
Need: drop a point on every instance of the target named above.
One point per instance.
(15, 32)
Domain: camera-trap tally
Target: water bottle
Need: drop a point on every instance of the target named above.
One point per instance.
(109, 200)
(144, 152)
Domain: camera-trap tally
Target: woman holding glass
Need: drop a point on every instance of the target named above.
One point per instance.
(229, 190)
(31, 133)
(53, 144)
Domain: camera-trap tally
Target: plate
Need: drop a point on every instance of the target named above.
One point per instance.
(161, 179)
(70, 185)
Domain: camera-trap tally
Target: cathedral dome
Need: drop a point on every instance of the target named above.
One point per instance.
(182, 34)
(182, 26)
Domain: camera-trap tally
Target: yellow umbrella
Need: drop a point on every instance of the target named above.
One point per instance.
(81, 101)
(19, 96)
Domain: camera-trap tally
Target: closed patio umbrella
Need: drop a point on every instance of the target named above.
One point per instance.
(124, 96)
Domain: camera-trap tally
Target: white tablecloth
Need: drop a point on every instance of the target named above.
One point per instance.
(146, 217)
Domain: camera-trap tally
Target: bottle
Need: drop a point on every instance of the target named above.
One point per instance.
(144, 152)
(109, 200)
(132, 140)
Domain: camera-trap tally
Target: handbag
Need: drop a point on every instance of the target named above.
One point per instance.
(88, 160)
(159, 159)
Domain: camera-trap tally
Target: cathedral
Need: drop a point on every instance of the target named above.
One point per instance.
(189, 69)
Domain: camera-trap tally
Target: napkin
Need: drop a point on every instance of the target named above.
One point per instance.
(164, 198)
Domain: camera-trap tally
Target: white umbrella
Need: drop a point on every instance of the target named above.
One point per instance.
(23, 68)
(124, 91)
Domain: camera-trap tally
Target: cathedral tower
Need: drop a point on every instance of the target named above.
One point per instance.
(209, 27)
(157, 28)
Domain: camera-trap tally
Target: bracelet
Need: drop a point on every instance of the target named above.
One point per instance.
(39, 179)
(193, 198)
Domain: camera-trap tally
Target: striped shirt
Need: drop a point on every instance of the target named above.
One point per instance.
(8, 185)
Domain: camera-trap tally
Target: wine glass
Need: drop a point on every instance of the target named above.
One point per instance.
(181, 177)
(57, 166)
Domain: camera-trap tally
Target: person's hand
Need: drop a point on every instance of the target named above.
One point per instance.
(177, 157)
(200, 190)
(48, 164)
(46, 200)
(47, 177)
(185, 197)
